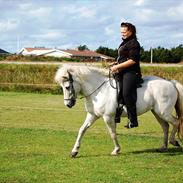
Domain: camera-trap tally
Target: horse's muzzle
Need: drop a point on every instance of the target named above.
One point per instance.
(71, 103)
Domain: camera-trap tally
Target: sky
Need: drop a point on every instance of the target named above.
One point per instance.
(66, 24)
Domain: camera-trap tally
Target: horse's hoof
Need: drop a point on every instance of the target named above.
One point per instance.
(74, 154)
(115, 153)
(175, 143)
(162, 149)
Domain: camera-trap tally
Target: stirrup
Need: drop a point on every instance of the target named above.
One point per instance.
(131, 125)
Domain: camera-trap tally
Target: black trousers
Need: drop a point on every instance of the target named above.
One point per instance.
(128, 93)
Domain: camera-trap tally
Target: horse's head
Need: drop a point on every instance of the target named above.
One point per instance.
(70, 86)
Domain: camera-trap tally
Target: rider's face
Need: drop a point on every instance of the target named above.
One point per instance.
(125, 33)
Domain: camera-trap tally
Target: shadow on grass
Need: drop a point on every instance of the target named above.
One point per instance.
(92, 156)
(170, 152)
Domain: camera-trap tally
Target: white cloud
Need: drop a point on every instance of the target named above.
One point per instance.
(139, 2)
(144, 15)
(9, 25)
(178, 35)
(33, 10)
(109, 31)
(176, 11)
(86, 12)
(50, 35)
(83, 11)
(25, 6)
(41, 12)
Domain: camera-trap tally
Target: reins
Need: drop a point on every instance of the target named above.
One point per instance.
(110, 81)
(114, 76)
(94, 90)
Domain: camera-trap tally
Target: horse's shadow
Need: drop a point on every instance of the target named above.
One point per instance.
(93, 156)
(170, 152)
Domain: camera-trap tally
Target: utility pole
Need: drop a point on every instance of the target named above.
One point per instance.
(18, 44)
(151, 55)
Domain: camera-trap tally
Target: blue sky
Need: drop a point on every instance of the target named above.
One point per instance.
(67, 24)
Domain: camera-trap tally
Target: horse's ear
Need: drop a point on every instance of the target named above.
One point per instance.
(70, 76)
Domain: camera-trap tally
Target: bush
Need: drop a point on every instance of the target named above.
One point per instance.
(31, 88)
(28, 78)
(165, 72)
(3, 57)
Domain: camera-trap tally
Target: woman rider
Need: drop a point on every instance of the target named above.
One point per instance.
(127, 69)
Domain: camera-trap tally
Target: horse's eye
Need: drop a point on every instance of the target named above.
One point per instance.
(67, 88)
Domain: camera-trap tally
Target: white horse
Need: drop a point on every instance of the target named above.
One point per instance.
(156, 94)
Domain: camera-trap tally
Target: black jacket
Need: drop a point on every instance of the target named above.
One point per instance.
(130, 49)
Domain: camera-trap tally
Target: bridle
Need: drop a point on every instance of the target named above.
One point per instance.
(72, 90)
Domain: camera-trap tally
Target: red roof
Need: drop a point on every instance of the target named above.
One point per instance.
(82, 53)
(32, 49)
(87, 53)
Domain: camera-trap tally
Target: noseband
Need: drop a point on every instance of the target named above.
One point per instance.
(71, 88)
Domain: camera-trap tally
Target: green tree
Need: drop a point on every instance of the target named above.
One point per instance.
(107, 51)
(145, 55)
(82, 47)
(160, 54)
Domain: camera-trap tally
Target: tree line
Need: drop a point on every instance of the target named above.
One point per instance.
(159, 54)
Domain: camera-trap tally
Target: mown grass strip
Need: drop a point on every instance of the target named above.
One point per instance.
(31, 155)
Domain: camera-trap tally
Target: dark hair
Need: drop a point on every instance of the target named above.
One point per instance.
(130, 27)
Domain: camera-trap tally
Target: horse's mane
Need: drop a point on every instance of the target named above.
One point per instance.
(85, 70)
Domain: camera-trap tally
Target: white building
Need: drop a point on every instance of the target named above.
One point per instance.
(44, 52)
(78, 54)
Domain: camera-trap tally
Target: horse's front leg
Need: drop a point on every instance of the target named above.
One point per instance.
(90, 119)
(111, 125)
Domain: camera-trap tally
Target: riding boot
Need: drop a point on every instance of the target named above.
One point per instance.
(132, 116)
(119, 111)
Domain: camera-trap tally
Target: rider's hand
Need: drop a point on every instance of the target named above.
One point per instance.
(115, 69)
(113, 63)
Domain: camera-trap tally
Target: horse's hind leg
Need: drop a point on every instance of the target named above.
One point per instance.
(168, 117)
(111, 125)
(174, 122)
(165, 127)
(172, 139)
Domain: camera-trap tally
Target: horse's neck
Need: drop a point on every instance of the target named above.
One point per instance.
(91, 83)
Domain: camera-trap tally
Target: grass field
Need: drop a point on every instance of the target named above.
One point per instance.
(37, 133)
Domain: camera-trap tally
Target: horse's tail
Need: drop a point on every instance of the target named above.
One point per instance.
(179, 107)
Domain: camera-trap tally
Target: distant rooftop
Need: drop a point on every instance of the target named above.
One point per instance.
(3, 52)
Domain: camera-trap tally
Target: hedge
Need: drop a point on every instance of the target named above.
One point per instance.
(40, 78)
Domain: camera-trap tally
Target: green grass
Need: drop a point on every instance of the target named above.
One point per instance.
(37, 133)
